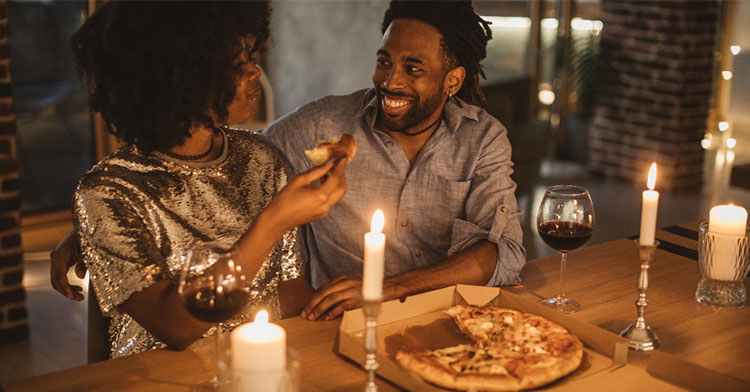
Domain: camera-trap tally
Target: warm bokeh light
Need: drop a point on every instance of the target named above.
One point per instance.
(731, 142)
(508, 21)
(261, 317)
(726, 75)
(549, 23)
(723, 126)
(586, 25)
(735, 49)
(378, 220)
(652, 177)
(706, 144)
(546, 97)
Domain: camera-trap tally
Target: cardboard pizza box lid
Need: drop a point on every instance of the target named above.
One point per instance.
(410, 321)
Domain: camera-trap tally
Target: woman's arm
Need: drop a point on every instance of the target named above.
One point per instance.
(159, 308)
(294, 294)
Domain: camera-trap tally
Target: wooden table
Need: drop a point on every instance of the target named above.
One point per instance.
(602, 278)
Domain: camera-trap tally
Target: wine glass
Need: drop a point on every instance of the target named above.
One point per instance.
(565, 222)
(213, 287)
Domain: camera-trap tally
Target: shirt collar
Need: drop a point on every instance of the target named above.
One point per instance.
(454, 113)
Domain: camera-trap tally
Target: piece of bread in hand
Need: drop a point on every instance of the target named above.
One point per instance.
(338, 147)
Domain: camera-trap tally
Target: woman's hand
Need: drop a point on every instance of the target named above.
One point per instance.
(66, 255)
(301, 201)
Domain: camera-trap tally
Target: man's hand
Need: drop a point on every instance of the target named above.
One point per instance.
(67, 254)
(333, 298)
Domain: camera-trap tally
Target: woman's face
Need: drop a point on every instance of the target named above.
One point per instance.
(246, 98)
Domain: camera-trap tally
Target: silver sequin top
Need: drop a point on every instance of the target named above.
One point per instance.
(137, 213)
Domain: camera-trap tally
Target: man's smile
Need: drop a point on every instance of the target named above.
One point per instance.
(394, 105)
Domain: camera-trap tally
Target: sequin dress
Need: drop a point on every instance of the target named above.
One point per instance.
(137, 213)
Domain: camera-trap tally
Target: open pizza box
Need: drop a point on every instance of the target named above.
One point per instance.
(420, 322)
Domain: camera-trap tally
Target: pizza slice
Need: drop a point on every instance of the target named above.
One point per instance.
(342, 146)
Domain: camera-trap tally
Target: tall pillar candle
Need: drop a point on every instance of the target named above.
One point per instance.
(259, 355)
(372, 276)
(726, 225)
(649, 207)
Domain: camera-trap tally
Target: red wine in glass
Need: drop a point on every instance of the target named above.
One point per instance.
(565, 222)
(207, 305)
(565, 236)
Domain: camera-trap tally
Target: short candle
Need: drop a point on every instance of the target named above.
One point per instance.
(372, 276)
(727, 219)
(259, 346)
(727, 225)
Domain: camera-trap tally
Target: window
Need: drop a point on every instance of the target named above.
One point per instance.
(54, 138)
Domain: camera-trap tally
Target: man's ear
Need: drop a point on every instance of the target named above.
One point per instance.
(454, 79)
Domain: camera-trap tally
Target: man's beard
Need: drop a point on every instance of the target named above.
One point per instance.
(417, 113)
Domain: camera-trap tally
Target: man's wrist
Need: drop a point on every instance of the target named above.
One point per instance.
(393, 288)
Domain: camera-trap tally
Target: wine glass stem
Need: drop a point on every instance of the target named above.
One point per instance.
(563, 261)
(220, 364)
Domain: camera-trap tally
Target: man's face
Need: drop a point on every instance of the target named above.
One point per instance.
(409, 76)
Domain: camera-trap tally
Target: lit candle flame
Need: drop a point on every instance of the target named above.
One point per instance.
(376, 225)
(261, 317)
(652, 177)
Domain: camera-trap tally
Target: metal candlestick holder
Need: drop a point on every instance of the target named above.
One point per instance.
(371, 309)
(640, 335)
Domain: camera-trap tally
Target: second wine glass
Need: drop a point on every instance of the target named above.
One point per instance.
(213, 287)
(565, 222)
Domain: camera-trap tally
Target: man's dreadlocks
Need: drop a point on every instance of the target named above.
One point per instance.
(464, 36)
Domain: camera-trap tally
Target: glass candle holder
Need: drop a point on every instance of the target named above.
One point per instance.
(724, 262)
(282, 380)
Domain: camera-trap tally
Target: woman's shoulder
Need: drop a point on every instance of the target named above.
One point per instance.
(123, 169)
(250, 143)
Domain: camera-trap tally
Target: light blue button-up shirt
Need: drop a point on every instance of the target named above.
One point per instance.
(457, 193)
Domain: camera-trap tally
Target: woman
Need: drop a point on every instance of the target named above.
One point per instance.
(166, 76)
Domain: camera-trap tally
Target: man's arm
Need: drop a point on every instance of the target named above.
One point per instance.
(473, 265)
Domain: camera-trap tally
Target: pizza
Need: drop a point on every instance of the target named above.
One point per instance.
(511, 351)
(338, 147)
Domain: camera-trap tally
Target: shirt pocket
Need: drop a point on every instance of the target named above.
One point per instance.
(443, 203)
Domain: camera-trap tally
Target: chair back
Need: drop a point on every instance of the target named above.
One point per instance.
(97, 331)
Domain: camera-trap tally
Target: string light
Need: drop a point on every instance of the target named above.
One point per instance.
(726, 75)
(735, 49)
(723, 126)
(731, 142)
(706, 144)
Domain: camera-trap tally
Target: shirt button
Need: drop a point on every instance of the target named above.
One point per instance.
(503, 209)
(388, 143)
(418, 254)
(404, 223)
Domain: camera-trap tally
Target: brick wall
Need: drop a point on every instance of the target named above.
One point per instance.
(657, 73)
(13, 316)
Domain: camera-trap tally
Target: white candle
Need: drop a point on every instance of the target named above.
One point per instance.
(726, 223)
(372, 276)
(259, 346)
(727, 219)
(650, 204)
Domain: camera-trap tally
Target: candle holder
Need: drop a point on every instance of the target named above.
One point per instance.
(286, 379)
(638, 333)
(371, 309)
(724, 261)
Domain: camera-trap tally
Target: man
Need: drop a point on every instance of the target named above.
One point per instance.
(436, 164)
